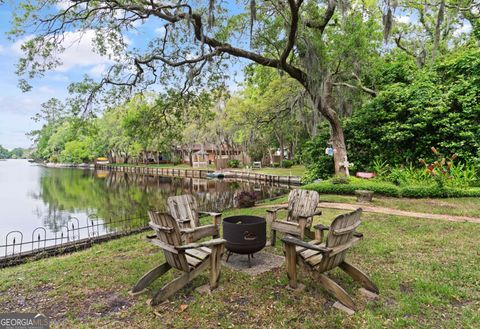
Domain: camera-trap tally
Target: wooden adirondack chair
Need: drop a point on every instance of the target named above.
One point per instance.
(302, 205)
(184, 209)
(322, 257)
(192, 259)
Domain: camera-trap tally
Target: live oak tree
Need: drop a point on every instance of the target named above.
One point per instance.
(197, 38)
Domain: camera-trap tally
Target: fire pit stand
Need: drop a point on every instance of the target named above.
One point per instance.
(245, 235)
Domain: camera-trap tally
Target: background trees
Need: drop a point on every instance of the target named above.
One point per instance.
(424, 108)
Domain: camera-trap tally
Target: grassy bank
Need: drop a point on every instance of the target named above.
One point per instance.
(390, 189)
(297, 170)
(426, 270)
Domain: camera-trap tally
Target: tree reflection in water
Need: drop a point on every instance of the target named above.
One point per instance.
(113, 196)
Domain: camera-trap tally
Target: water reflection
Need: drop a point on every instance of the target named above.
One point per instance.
(111, 196)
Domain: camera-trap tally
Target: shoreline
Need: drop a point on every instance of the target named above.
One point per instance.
(66, 165)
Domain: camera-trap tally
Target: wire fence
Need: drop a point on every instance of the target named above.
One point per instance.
(17, 244)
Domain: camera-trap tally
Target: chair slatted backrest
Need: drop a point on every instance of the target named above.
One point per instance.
(302, 203)
(341, 232)
(169, 234)
(183, 207)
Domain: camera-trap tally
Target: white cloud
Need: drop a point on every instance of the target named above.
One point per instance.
(98, 70)
(78, 51)
(2, 49)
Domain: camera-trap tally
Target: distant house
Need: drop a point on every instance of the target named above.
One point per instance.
(211, 153)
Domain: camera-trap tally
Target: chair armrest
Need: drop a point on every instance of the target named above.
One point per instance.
(316, 213)
(273, 210)
(209, 243)
(297, 242)
(321, 227)
(159, 227)
(217, 216)
(358, 235)
(213, 242)
(200, 232)
(208, 213)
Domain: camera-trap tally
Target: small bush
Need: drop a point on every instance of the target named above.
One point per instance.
(245, 199)
(275, 165)
(340, 180)
(287, 163)
(323, 169)
(354, 184)
(233, 163)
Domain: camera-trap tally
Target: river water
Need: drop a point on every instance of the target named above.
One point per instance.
(33, 196)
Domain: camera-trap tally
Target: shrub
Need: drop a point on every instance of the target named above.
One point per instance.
(323, 169)
(275, 165)
(233, 163)
(287, 163)
(353, 184)
(340, 180)
(245, 199)
(76, 152)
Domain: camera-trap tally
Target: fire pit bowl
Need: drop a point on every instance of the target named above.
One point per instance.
(244, 234)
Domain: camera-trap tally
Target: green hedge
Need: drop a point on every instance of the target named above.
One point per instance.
(389, 189)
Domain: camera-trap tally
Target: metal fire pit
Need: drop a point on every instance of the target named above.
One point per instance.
(244, 234)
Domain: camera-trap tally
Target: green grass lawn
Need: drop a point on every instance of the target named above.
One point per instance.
(297, 170)
(426, 270)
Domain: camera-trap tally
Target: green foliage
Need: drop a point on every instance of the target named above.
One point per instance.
(77, 152)
(233, 163)
(329, 186)
(437, 108)
(323, 168)
(318, 164)
(146, 122)
(4, 153)
(287, 163)
(442, 173)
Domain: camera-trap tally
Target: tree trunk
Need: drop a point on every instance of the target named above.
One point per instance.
(438, 27)
(282, 148)
(326, 107)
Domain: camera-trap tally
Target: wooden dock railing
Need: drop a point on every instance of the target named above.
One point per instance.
(196, 173)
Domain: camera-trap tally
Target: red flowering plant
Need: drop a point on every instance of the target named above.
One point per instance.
(441, 169)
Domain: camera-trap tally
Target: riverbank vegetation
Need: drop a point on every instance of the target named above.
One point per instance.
(16, 153)
(425, 280)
